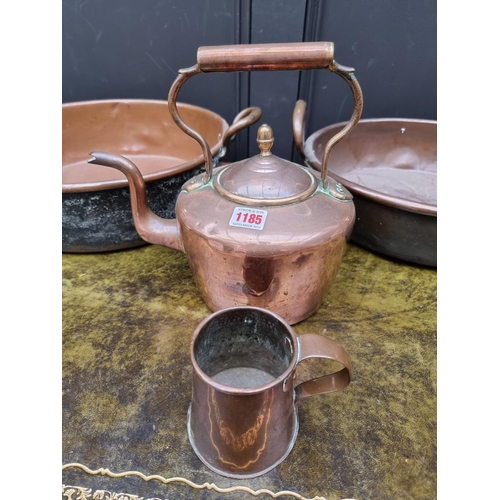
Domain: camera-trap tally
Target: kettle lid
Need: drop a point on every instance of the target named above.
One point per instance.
(265, 179)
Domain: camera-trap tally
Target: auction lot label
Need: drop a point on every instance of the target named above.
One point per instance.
(251, 218)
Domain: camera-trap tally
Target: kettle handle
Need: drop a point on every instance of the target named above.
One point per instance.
(271, 57)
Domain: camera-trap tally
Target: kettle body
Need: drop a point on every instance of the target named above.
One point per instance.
(285, 260)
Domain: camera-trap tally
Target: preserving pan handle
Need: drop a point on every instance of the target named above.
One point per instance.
(312, 345)
(242, 120)
(270, 57)
(299, 127)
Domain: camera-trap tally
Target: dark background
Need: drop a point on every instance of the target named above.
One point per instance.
(133, 49)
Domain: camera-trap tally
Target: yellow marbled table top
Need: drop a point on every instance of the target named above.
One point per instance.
(128, 318)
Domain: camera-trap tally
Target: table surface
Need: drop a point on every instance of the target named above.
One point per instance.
(128, 318)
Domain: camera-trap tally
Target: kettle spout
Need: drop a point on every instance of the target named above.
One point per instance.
(150, 227)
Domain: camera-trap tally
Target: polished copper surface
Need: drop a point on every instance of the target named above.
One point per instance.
(389, 160)
(390, 166)
(96, 214)
(262, 232)
(265, 179)
(144, 131)
(246, 425)
(287, 266)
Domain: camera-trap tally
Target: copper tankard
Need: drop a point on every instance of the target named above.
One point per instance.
(242, 421)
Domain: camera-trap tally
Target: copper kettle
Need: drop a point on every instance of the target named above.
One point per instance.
(263, 231)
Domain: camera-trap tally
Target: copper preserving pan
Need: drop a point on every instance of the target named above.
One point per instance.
(96, 213)
(390, 167)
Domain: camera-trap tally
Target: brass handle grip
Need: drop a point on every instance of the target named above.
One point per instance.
(278, 56)
(265, 56)
(312, 345)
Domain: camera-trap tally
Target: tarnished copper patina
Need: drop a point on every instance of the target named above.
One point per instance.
(390, 166)
(242, 421)
(96, 214)
(263, 231)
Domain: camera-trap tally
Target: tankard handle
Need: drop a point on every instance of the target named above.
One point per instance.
(312, 345)
(270, 57)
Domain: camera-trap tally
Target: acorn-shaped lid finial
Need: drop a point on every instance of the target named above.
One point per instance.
(265, 140)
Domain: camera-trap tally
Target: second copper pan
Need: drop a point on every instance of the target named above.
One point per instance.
(390, 166)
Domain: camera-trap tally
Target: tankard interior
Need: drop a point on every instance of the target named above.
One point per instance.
(244, 348)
